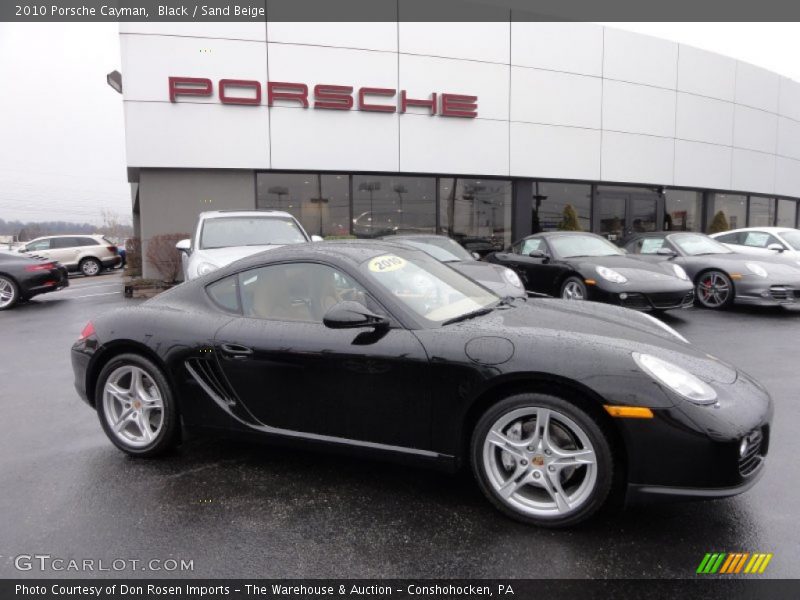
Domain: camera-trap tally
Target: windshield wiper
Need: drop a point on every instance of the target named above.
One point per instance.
(469, 315)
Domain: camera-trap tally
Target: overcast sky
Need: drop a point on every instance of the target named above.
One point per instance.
(62, 148)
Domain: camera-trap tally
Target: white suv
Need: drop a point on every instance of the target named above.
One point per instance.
(89, 254)
(223, 236)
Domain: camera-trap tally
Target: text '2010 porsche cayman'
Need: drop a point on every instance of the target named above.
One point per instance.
(384, 350)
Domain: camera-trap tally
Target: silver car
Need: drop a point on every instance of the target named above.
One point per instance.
(781, 242)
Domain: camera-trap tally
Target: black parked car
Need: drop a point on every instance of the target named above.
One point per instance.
(501, 280)
(584, 266)
(721, 277)
(23, 277)
(377, 349)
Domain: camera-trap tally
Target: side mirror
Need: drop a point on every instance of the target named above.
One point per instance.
(353, 315)
(776, 247)
(537, 254)
(184, 246)
(475, 255)
(317, 238)
(664, 251)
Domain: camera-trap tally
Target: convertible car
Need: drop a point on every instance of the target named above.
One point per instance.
(584, 266)
(373, 348)
(721, 276)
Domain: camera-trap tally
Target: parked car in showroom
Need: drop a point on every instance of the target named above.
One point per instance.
(782, 242)
(501, 280)
(721, 277)
(223, 236)
(87, 254)
(583, 266)
(23, 277)
(554, 405)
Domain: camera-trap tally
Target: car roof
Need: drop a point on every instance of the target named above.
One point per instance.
(210, 214)
(412, 236)
(767, 229)
(65, 235)
(547, 234)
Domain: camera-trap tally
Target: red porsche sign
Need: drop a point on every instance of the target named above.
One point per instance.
(248, 92)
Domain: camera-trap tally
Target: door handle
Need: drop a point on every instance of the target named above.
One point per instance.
(236, 351)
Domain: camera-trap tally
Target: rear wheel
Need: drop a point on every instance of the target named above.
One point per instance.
(136, 406)
(573, 288)
(714, 289)
(90, 267)
(9, 292)
(542, 460)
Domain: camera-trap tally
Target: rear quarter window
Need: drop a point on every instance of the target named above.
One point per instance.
(225, 294)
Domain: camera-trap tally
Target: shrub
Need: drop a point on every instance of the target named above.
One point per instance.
(133, 257)
(569, 222)
(719, 223)
(164, 257)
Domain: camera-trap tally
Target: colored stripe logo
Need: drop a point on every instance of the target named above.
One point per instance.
(733, 563)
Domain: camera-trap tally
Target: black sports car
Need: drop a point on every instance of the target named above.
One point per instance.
(378, 349)
(721, 276)
(23, 277)
(501, 280)
(584, 266)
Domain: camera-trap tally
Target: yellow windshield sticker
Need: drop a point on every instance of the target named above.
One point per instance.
(386, 263)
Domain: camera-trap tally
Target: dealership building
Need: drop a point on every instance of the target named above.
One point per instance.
(481, 131)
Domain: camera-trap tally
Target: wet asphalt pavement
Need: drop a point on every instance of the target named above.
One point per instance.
(244, 510)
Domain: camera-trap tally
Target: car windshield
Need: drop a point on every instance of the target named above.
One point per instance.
(440, 248)
(224, 232)
(572, 246)
(695, 244)
(792, 237)
(429, 289)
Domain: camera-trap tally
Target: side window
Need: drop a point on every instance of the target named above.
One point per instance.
(40, 245)
(58, 243)
(650, 245)
(225, 293)
(296, 292)
(86, 241)
(529, 246)
(728, 238)
(759, 239)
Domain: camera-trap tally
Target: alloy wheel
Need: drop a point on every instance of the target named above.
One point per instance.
(133, 406)
(8, 293)
(572, 291)
(539, 462)
(90, 267)
(714, 290)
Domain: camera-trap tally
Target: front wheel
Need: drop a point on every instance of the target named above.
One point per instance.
(714, 289)
(9, 293)
(136, 406)
(541, 460)
(573, 288)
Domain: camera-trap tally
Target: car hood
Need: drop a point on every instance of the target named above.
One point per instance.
(635, 269)
(224, 256)
(489, 275)
(776, 267)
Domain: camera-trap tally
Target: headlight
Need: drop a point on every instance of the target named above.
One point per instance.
(757, 269)
(675, 378)
(512, 278)
(206, 267)
(611, 275)
(680, 273)
(665, 327)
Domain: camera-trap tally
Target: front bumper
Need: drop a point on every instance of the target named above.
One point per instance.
(646, 494)
(764, 293)
(645, 300)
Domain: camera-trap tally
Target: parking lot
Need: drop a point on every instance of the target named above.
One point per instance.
(238, 510)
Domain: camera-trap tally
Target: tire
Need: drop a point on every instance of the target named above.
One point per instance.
(130, 412)
(574, 288)
(714, 290)
(90, 267)
(9, 292)
(543, 466)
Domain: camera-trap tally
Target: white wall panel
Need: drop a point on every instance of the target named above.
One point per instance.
(753, 171)
(787, 177)
(366, 35)
(756, 87)
(230, 30)
(637, 158)
(313, 65)
(476, 41)
(704, 119)
(162, 134)
(705, 73)
(789, 138)
(555, 98)
(149, 60)
(568, 47)
(453, 145)
(789, 100)
(755, 129)
(702, 165)
(422, 75)
(558, 152)
(635, 108)
(640, 59)
(304, 138)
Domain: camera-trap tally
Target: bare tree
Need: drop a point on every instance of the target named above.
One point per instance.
(162, 254)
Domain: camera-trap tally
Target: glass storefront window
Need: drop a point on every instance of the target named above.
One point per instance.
(683, 210)
(320, 202)
(733, 208)
(787, 213)
(388, 205)
(476, 213)
(762, 212)
(550, 200)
